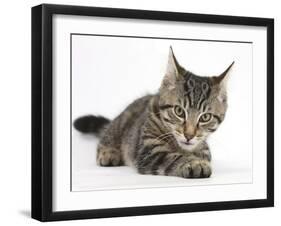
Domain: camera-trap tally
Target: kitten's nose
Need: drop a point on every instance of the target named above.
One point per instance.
(188, 137)
(189, 132)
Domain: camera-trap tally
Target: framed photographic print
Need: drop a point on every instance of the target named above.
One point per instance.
(145, 112)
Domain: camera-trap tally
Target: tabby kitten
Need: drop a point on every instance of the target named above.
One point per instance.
(164, 133)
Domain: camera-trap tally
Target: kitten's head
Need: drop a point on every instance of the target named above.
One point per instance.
(192, 106)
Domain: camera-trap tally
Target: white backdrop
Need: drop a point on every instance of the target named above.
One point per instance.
(108, 73)
(15, 99)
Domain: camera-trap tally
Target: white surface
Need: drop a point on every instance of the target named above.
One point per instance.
(15, 102)
(88, 176)
(64, 199)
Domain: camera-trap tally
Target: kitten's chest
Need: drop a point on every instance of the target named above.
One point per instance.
(194, 149)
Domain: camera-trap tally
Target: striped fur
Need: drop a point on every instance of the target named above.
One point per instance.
(150, 136)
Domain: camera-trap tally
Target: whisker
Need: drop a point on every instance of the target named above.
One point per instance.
(163, 138)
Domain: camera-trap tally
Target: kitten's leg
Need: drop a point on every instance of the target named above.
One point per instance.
(108, 156)
(203, 151)
(158, 160)
(108, 150)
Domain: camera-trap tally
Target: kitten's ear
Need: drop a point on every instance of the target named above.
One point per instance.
(221, 82)
(173, 72)
(223, 77)
(173, 68)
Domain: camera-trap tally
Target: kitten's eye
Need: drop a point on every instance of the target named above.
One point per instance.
(206, 117)
(179, 111)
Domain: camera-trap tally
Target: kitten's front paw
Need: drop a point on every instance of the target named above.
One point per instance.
(197, 169)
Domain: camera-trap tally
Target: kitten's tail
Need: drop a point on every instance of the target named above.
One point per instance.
(91, 124)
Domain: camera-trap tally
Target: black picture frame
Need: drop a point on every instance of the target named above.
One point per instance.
(42, 111)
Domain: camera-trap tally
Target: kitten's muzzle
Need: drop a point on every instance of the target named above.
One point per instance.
(189, 132)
